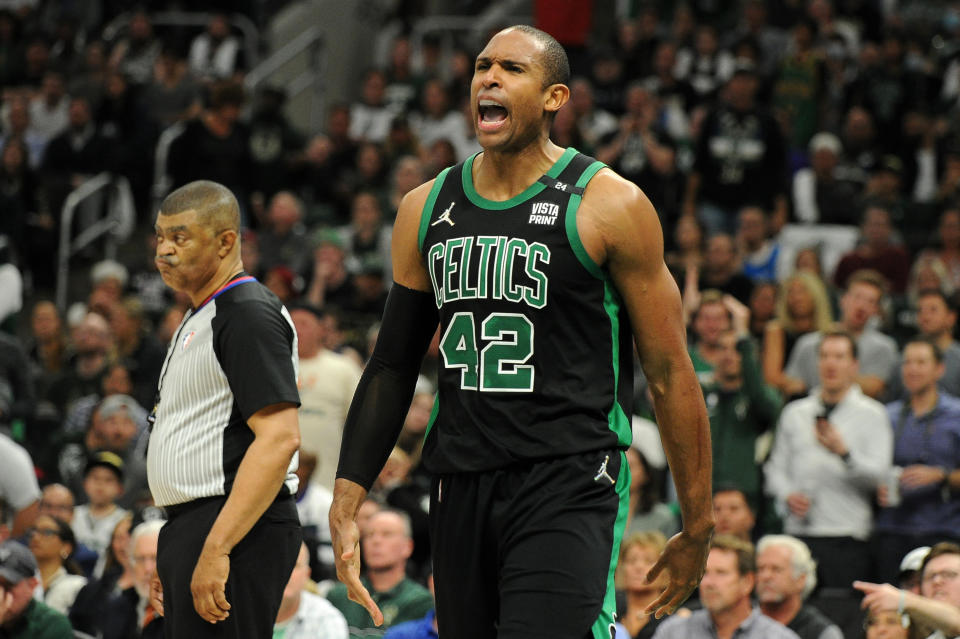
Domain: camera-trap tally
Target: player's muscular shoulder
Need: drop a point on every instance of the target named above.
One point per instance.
(615, 216)
(408, 266)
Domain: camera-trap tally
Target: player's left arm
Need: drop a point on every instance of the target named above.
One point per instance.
(259, 478)
(620, 230)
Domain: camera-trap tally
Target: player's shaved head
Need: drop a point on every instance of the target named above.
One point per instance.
(215, 205)
(553, 57)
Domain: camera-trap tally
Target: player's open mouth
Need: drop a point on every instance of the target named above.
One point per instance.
(492, 115)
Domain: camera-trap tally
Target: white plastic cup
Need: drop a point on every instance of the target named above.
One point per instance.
(893, 486)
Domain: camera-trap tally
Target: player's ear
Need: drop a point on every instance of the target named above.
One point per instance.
(556, 96)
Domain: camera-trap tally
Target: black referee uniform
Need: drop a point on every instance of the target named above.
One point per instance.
(527, 436)
(232, 356)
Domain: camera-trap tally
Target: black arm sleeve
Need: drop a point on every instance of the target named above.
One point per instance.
(386, 387)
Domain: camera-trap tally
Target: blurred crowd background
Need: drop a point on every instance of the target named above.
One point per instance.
(803, 157)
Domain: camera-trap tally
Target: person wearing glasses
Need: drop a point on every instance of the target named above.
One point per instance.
(937, 607)
(52, 543)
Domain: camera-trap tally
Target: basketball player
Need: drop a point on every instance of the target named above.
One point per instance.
(543, 264)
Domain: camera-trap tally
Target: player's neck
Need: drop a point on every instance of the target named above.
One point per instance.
(782, 611)
(502, 175)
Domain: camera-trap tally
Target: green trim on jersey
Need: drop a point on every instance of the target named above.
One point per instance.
(573, 235)
(617, 418)
(428, 207)
(433, 415)
(601, 627)
(478, 200)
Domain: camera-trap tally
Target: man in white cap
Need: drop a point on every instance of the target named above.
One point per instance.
(820, 195)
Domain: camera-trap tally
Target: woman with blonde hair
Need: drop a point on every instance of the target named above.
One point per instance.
(803, 306)
(638, 553)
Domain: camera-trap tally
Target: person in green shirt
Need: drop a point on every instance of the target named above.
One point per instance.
(742, 408)
(387, 543)
(22, 616)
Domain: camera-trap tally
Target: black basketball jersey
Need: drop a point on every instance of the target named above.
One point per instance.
(536, 347)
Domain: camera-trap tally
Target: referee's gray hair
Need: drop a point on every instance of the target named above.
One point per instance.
(800, 559)
(150, 527)
(215, 204)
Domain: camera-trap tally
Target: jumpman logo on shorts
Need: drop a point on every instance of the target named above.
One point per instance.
(603, 471)
(445, 216)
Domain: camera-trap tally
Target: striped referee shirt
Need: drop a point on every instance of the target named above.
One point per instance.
(232, 356)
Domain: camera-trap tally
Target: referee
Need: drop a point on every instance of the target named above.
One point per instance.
(225, 434)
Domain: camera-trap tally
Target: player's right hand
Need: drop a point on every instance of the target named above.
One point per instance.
(684, 559)
(156, 595)
(345, 535)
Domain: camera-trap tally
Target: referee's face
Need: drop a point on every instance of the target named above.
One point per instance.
(187, 251)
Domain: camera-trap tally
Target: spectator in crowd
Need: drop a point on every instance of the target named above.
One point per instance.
(16, 385)
(802, 307)
(407, 175)
(763, 307)
(22, 616)
(711, 317)
(330, 282)
(327, 382)
(646, 511)
(725, 594)
(142, 352)
(313, 506)
(403, 83)
(923, 506)
(638, 553)
(927, 273)
(876, 352)
(58, 502)
(49, 109)
(216, 54)
(688, 248)
(946, 244)
(740, 158)
(74, 155)
(135, 54)
(367, 237)
(304, 615)
(705, 66)
(438, 118)
(52, 543)
(18, 485)
(786, 575)
(387, 543)
(46, 347)
(722, 270)
(936, 319)
(861, 147)
(19, 198)
(733, 512)
(274, 142)
(832, 449)
(820, 194)
(215, 145)
(742, 408)
(877, 252)
(641, 151)
(936, 607)
(797, 85)
(757, 251)
(592, 123)
(172, 94)
(94, 521)
(116, 427)
(95, 610)
(19, 126)
(370, 118)
(283, 242)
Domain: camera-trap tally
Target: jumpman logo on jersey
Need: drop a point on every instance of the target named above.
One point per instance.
(603, 471)
(445, 216)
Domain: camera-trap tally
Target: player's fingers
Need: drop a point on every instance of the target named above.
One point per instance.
(361, 596)
(220, 600)
(671, 606)
(656, 569)
(657, 603)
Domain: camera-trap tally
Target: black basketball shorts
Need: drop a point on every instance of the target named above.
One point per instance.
(529, 551)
